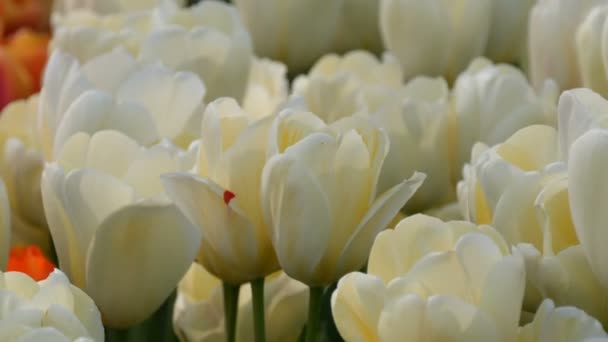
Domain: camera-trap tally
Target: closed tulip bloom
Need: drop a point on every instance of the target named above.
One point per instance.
(276, 29)
(108, 216)
(224, 203)
(438, 282)
(146, 101)
(319, 195)
(207, 39)
(456, 32)
(491, 102)
(21, 165)
(590, 49)
(48, 310)
(507, 42)
(551, 41)
(553, 323)
(199, 314)
(359, 27)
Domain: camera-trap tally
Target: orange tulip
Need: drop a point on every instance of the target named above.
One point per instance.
(22, 60)
(19, 13)
(31, 261)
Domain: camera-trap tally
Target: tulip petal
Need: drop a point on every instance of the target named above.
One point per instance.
(356, 305)
(130, 250)
(579, 110)
(171, 98)
(94, 111)
(588, 192)
(296, 209)
(229, 250)
(377, 218)
(67, 240)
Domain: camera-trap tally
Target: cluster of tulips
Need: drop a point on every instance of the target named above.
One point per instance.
(304, 170)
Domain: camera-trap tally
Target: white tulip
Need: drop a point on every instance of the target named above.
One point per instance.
(591, 50)
(48, 310)
(112, 225)
(455, 32)
(223, 198)
(561, 324)
(579, 110)
(586, 166)
(207, 39)
(507, 42)
(319, 193)
(439, 282)
(21, 165)
(146, 101)
(491, 102)
(293, 32)
(551, 41)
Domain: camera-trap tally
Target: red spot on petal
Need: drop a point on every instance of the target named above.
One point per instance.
(228, 196)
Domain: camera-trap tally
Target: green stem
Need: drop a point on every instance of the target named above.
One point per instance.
(314, 313)
(231, 309)
(257, 292)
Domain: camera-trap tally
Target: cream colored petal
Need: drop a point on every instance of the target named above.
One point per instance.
(54, 290)
(170, 98)
(503, 294)
(222, 123)
(531, 148)
(63, 320)
(395, 251)
(67, 240)
(291, 126)
(568, 279)
(579, 110)
(88, 314)
(376, 219)
(63, 84)
(44, 334)
(296, 210)
(588, 47)
(21, 284)
(356, 306)
(109, 70)
(95, 111)
(560, 324)
(101, 154)
(438, 318)
(128, 254)
(587, 192)
(553, 210)
(230, 249)
(89, 197)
